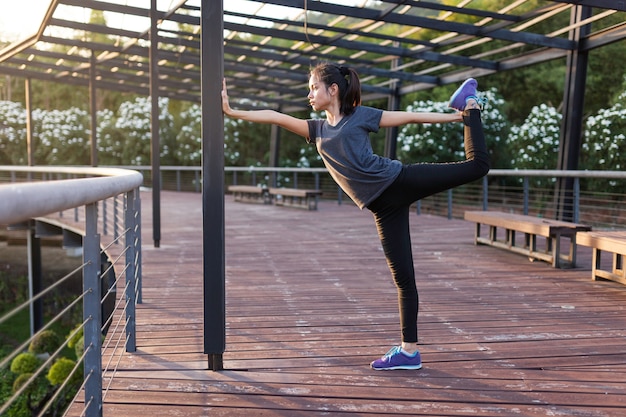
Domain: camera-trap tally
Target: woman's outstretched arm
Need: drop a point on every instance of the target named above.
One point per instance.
(400, 118)
(293, 124)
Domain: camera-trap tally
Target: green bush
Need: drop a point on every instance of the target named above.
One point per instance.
(45, 342)
(60, 371)
(73, 340)
(21, 380)
(25, 363)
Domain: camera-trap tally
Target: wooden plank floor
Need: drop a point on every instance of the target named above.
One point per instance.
(310, 303)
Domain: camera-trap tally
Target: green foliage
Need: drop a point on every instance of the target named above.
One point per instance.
(74, 340)
(32, 398)
(21, 380)
(46, 341)
(61, 370)
(25, 363)
(79, 347)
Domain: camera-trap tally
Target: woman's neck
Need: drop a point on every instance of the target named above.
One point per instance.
(333, 116)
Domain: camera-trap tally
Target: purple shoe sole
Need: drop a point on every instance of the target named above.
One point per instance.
(396, 359)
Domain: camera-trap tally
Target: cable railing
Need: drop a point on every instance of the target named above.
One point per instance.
(596, 197)
(90, 211)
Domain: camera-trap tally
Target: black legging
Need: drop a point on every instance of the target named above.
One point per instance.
(391, 212)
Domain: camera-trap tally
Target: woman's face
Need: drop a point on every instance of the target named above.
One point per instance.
(320, 96)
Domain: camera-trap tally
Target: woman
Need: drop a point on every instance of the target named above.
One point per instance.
(384, 186)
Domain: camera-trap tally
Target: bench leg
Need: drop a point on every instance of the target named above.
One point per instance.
(476, 233)
(510, 237)
(596, 262)
(572, 251)
(555, 247)
(618, 268)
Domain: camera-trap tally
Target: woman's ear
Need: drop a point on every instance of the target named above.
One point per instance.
(333, 89)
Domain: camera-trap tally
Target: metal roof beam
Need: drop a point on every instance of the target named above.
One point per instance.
(383, 50)
(443, 26)
(602, 4)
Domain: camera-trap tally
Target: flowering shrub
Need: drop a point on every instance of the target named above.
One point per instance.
(12, 133)
(535, 144)
(126, 139)
(443, 142)
(188, 150)
(603, 148)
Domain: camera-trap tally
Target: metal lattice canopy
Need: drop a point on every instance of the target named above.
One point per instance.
(397, 46)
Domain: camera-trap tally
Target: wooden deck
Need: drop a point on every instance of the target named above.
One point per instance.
(310, 303)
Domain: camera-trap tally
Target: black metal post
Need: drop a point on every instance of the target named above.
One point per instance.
(212, 73)
(154, 125)
(274, 152)
(393, 104)
(36, 279)
(572, 124)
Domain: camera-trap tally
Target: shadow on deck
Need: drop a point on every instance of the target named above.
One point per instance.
(310, 303)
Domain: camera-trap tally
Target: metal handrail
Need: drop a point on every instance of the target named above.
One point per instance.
(23, 201)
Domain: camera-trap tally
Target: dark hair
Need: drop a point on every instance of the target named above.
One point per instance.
(347, 81)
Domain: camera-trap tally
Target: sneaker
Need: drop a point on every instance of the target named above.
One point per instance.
(466, 91)
(397, 359)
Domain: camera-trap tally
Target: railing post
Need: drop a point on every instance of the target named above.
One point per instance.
(116, 233)
(485, 193)
(131, 257)
(450, 204)
(105, 227)
(92, 314)
(526, 195)
(35, 277)
(576, 200)
(139, 272)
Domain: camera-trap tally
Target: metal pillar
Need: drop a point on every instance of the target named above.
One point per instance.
(93, 109)
(393, 104)
(30, 145)
(35, 278)
(274, 151)
(154, 125)
(212, 73)
(573, 104)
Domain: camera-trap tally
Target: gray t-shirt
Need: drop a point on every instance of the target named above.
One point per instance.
(347, 153)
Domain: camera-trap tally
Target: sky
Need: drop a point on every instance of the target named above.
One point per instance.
(20, 19)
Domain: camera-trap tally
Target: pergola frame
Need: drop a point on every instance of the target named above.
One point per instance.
(184, 52)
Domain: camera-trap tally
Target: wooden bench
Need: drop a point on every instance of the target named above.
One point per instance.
(295, 197)
(609, 241)
(250, 194)
(551, 230)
